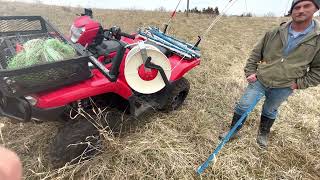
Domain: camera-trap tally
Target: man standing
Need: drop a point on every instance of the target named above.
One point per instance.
(287, 58)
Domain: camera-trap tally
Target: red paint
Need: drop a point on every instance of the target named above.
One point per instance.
(112, 55)
(19, 48)
(128, 40)
(181, 67)
(98, 84)
(147, 74)
(101, 58)
(91, 29)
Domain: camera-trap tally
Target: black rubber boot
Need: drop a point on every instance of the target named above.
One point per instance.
(235, 119)
(264, 130)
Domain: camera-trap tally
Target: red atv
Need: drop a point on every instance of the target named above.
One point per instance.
(134, 72)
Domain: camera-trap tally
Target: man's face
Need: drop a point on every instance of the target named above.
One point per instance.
(303, 11)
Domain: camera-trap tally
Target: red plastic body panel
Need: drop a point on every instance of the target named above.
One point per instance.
(181, 67)
(98, 84)
(91, 29)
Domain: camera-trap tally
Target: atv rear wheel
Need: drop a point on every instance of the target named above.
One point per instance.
(177, 95)
(74, 142)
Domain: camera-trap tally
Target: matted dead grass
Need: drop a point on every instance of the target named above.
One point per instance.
(171, 146)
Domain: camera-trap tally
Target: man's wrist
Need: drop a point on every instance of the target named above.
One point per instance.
(249, 74)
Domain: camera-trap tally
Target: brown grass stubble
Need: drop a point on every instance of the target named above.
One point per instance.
(171, 146)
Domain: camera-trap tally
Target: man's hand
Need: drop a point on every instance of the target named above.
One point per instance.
(252, 78)
(294, 86)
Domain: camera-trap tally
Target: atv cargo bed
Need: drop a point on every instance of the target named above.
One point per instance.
(16, 30)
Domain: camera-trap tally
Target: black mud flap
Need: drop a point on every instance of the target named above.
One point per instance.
(17, 109)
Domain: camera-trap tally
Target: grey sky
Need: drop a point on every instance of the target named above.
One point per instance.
(258, 7)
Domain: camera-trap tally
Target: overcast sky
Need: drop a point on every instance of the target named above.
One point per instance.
(258, 7)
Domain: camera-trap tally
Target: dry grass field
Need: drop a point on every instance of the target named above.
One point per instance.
(171, 146)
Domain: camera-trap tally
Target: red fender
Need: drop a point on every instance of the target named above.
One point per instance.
(181, 67)
(98, 84)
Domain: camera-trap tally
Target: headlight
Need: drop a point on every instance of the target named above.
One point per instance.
(76, 33)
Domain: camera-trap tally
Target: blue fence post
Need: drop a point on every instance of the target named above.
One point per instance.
(206, 164)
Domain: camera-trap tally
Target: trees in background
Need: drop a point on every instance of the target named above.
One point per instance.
(208, 10)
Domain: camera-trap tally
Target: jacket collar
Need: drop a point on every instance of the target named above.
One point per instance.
(285, 27)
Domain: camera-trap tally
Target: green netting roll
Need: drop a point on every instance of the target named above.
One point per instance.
(38, 51)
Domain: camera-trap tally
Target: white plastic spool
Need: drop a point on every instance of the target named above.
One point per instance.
(134, 61)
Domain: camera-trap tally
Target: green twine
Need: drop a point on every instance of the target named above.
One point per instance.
(38, 51)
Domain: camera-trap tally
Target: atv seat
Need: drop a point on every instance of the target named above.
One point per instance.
(107, 46)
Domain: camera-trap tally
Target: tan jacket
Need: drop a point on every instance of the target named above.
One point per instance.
(302, 65)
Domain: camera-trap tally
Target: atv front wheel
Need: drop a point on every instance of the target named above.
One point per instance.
(177, 95)
(74, 142)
